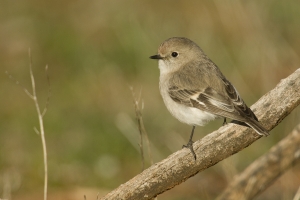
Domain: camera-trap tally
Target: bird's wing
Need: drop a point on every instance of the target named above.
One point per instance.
(237, 101)
(230, 105)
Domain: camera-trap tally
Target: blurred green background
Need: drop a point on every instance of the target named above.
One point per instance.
(96, 51)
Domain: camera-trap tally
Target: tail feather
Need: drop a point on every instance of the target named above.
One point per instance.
(257, 127)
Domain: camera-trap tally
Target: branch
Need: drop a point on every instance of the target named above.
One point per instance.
(271, 109)
(261, 173)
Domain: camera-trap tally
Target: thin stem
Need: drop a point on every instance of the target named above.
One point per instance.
(41, 123)
(138, 118)
(40, 116)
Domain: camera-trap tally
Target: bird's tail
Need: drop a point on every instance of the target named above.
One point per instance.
(257, 127)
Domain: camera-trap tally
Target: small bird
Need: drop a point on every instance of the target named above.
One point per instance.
(194, 89)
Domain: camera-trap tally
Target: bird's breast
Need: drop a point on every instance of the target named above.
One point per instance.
(186, 114)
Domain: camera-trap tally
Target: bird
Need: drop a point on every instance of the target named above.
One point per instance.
(194, 89)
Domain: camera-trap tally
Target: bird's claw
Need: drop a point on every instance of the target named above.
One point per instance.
(190, 146)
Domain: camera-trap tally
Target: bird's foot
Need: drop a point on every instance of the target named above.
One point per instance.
(190, 146)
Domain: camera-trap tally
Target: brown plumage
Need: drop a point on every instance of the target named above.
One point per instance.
(194, 89)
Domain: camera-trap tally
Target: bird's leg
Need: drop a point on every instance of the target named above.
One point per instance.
(224, 123)
(190, 143)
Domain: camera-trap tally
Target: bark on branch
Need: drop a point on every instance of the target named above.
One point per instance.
(261, 173)
(271, 109)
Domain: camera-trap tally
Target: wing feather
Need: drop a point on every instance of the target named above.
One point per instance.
(209, 100)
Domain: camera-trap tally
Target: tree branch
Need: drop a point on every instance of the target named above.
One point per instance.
(261, 173)
(271, 109)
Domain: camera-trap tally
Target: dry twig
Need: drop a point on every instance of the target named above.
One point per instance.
(139, 117)
(41, 131)
(262, 172)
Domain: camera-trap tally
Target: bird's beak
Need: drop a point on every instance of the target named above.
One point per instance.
(158, 57)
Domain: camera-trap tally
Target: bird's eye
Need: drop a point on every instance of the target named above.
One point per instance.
(174, 54)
